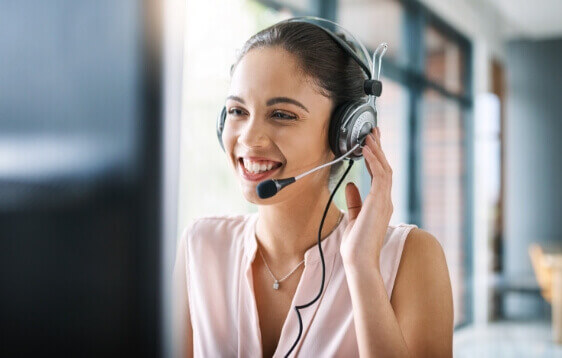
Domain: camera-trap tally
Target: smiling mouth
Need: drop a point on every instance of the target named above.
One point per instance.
(257, 170)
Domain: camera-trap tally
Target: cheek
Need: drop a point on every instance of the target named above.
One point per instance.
(318, 143)
(308, 149)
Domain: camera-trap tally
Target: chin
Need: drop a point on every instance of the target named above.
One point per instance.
(249, 193)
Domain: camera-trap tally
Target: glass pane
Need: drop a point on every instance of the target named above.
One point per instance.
(373, 22)
(442, 188)
(444, 61)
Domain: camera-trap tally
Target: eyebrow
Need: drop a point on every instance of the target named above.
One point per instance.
(236, 98)
(274, 100)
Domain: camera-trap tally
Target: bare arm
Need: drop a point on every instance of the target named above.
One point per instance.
(418, 321)
(181, 316)
(422, 297)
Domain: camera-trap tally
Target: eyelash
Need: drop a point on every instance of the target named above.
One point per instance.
(286, 116)
(230, 111)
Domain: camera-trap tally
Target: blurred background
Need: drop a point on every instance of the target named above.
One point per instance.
(108, 149)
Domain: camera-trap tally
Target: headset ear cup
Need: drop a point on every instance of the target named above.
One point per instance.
(220, 125)
(354, 120)
(335, 128)
(363, 120)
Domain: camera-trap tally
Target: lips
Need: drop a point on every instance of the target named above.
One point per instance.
(257, 176)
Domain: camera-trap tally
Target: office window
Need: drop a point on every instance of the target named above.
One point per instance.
(374, 22)
(442, 185)
(444, 61)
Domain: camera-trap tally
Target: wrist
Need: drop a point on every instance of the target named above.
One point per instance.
(357, 266)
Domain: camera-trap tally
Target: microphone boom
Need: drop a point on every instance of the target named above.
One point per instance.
(268, 188)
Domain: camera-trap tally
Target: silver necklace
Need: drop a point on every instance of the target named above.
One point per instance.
(277, 282)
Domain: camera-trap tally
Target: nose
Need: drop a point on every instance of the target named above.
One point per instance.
(253, 133)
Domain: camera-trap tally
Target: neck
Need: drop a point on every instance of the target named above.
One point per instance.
(285, 231)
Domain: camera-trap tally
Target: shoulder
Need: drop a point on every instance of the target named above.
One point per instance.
(422, 268)
(422, 257)
(421, 244)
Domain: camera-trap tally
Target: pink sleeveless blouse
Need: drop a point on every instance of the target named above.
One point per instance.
(218, 254)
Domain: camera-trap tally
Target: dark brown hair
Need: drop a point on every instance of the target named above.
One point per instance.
(319, 56)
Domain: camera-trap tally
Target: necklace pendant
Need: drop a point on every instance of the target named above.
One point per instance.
(276, 285)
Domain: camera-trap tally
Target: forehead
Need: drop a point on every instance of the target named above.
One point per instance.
(269, 72)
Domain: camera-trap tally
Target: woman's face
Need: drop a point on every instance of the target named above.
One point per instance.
(276, 125)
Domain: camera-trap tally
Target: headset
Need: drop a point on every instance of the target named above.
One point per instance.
(351, 121)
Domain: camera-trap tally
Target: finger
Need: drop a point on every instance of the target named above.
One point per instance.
(374, 144)
(384, 161)
(365, 148)
(353, 199)
(373, 163)
(369, 158)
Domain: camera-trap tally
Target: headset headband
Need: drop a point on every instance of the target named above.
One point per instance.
(372, 86)
(333, 30)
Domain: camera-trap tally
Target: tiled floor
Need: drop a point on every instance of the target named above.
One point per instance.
(506, 339)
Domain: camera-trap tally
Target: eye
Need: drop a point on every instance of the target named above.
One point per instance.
(235, 112)
(283, 115)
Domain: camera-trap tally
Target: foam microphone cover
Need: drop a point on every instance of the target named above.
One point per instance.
(268, 188)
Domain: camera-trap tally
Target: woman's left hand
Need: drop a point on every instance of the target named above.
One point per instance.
(364, 235)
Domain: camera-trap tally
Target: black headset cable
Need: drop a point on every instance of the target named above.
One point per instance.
(297, 308)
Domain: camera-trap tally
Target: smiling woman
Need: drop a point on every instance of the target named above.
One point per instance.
(288, 84)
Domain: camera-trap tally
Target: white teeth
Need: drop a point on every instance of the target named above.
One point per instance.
(256, 167)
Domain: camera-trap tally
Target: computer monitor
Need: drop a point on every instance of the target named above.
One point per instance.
(87, 225)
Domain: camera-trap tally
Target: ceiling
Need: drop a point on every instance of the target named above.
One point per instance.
(526, 18)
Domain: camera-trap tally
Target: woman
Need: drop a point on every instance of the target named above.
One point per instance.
(387, 290)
